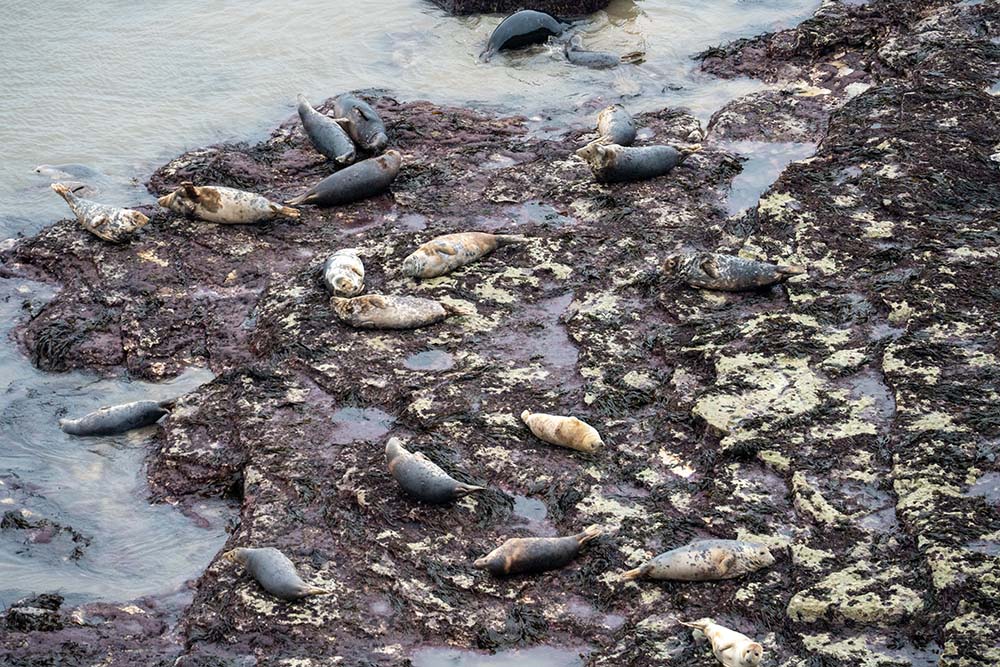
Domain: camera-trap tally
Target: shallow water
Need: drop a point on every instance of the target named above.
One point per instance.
(94, 486)
(763, 163)
(120, 88)
(123, 87)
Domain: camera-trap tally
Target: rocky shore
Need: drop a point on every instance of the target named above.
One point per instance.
(848, 419)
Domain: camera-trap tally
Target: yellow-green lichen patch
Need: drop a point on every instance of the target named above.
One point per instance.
(865, 593)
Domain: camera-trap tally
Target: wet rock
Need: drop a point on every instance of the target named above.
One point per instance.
(560, 8)
(36, 614)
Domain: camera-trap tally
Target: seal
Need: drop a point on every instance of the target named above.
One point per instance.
(65, 172)
(617, 164)
(576, 54)
(422, 478)
(344, 274)
(705, 560)
(521, 29)
(326, 134)
(226, 206)
(359, 181)
(105, 222)
(716, 271)
(527, 555)
(378, 311)
(274, 572)
(615, 125)
(361, 122)
(731, 648)
(563, 431)
(115, 419)
(446, 253)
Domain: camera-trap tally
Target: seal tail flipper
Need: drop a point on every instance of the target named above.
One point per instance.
(688, 151)
(637, 573)
(789, 270)
(286, 211)
(61, 190)
(510, 239)
(464, 489)
(700, 624)
(312, 590)
(300, 200)
(457, 311)
(168, 403)
(634, 57)
(590, 533)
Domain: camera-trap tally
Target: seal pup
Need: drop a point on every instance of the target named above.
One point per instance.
(359, 181)
(274, 572)
(343, 273)
(114, 419)
(612, 163)
(526, 555)
(521, 29)
(712, 270)
(615, 125)
(731, 648)
(361, 122)
(384, 311)
(225, 206)
(563, 431)
(446, 253)
(422, 478)
(576, 54)
(106, 222)
(705, 560)
(326, 134)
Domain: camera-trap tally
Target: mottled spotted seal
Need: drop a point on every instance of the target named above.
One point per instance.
(274, 572)
(326, 135)
(226, 206)
(521, 29)
(711, 270)
(525, 555)
(361, 122)
(576, 54)
(616, 164)
(378, 311)
(564, 431)
(731, 648)
(422, 478)
(344, 274)
(359, 181)
(705, 560)
(446, 253)
(117, 418)
(615, 125)
(107, 222)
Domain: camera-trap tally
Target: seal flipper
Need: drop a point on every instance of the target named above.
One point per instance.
(510, 239)
(726, 564)
(190, 190)
(709, 266)
(634, 57)
(790, 270)
(286, 211)
(442, 248)
(637, 573)
(315, 591)
(590, 533)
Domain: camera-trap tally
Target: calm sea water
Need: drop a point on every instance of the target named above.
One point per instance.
(119, 87)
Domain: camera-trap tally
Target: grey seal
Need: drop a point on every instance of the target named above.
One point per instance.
(359, 181)
(116, 419)
(528, 555)
(326, 134)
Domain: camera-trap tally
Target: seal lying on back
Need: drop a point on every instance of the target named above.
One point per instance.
(576, 54)
(521, 29)
(107, 222)
(377, 311)
(226, 206)
(359, 181)
(564, 431)
(422, 478)
(446, 253)
(615, 125)
(705, 560)
(344, 274)
(731, 648)
(117, 418)
(525, 555)
(274, 572)
(326, 134)
(617, 164)
(362, 122)
(712, 270)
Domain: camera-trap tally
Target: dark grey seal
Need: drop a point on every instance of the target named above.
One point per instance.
(117, 418)
(576, 54)
(617, 164)
(274, 572)
(526, 555)
(361, 122)
(521, 29)
(712, 270)
(326, 135)
(422, 478)
(359, 181)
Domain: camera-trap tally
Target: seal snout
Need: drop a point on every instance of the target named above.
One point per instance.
(481, 563)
